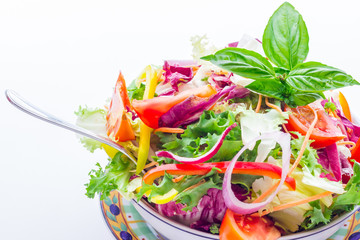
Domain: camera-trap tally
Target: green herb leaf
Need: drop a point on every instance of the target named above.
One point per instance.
(318, 77)
(286, 39)
(280, 72)
(297, 98)
(243, 62)
(271, 88)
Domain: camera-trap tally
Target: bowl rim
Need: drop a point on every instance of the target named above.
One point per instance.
(299, 235)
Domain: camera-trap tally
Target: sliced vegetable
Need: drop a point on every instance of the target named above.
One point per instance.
(243, 227)
(283, 139)
(345, 106)
(250, 168)
(162, 199)
(355, 153)
(150, 110)
(191, 109)
(333, 163)
(325, 132)
(145, 131)
(117, 123)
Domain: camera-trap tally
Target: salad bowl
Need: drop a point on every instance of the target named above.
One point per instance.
(177, 231)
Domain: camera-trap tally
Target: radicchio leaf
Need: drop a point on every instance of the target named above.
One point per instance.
(177, 72)
(191, 109)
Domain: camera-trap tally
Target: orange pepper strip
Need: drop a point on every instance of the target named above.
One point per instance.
(345, 106)
(169, 130)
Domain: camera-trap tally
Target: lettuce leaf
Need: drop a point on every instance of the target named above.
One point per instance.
(351, 198)
(309, 158)
(94, 120)
(254, 124)
(342, 203)
(316, 216)
(115, 176)
(201, 136)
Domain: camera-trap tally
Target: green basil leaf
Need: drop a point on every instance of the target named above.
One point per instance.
(279, 71)
(286, 40)
(318, 77)
(243, 62)
(271, 88)
(297, 98)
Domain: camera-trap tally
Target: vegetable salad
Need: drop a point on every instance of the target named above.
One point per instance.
(249, 142)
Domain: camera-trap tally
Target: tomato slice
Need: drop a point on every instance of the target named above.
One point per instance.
(245, 227)
(117, 123)
(325, 132)
(150, 110)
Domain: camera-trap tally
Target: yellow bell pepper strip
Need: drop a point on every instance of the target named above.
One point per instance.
(250, 168)
(145, 131)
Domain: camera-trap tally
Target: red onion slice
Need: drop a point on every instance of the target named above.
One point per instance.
(247, 208)
(200, 159)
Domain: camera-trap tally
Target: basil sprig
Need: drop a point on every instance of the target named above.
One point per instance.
(286, 45)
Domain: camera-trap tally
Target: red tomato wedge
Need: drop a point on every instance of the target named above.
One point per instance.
(325, 132)
(117, 124)
(150, 110)
(244, 227)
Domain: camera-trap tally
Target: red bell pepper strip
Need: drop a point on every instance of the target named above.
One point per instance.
(150, 110)
(355, 153)
(250, 168)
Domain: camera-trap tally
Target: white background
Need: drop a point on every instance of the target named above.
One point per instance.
(62, 54)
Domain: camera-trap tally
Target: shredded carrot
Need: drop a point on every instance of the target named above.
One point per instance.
(346, 143)
(303, 146)
(273, 106)
(178, 179)
(169, 130)
(259, 104)
(334, 114)
(151, 164)
(196, 185)
(293, 204)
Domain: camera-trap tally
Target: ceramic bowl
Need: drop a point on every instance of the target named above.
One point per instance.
(176, 231)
